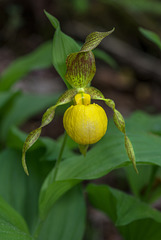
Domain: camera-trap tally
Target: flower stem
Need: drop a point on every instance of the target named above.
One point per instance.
(40, 222)
(60, 156)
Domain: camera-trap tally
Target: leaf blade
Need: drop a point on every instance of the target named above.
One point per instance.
(127, 212)
(112, 155)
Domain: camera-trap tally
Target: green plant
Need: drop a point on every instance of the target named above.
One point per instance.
(44, 207)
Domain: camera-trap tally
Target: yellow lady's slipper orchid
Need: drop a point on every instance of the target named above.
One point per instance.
(84, 122)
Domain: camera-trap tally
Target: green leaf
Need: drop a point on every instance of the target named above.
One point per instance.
(6, 98)
(12, 225)
(9, 215)
(50, 192)
(138, 182)
(9, 231)
(151, 36)
(120, 124)
(63, 45)
(102, 55)
(18, 187)
(67, 214)
(146, 185)
(112, 155)
(128, 213)
(23, 108)
(38, 59)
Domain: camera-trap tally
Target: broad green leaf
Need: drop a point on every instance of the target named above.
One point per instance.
(107, 155)
(23, 108)
(63, 45)
(5, 99)
(11, 232)
(142, 122)
(38, 59)
(150, 230)
(67, 214)
(50, 192)
(8, 214)
(18, 187)
(119, 122)
(12, 225)
(146, 185)
(138, 183)
(151, 36)
(133, 218)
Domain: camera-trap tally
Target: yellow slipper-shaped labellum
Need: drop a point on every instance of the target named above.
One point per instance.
(85, 124)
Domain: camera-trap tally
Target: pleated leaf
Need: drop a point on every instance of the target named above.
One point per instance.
(67, 214)
(133, 218)
(107, 155)
(12, 225)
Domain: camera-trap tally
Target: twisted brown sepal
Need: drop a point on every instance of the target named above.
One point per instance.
(94, 39)
(118, 120)
(130, 152)
(46, 119)
(120, 124)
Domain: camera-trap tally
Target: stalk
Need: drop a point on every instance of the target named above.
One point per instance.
(40, 222)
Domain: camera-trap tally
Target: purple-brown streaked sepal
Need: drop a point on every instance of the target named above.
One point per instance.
(130, 152)
(81, 69)
(94, 39)
(46, 119)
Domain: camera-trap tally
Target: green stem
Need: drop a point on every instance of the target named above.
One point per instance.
(40, 222)
(60, 156)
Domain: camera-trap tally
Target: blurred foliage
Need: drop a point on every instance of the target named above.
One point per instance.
(151, 36)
